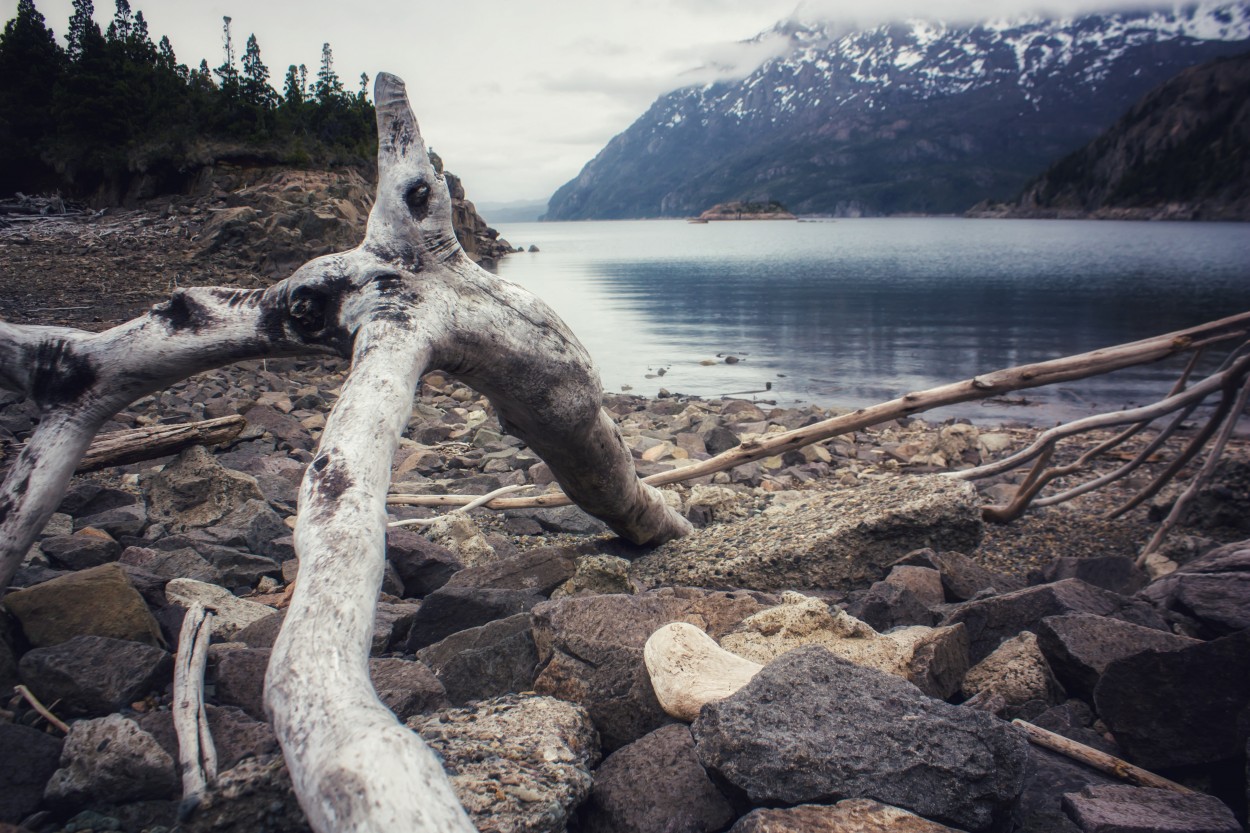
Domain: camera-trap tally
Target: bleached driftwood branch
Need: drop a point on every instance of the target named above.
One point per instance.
(197, 755)
(406, 300)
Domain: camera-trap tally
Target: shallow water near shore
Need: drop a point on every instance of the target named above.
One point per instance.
(848, 313)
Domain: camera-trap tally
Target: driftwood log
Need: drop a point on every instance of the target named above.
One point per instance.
(405, 301)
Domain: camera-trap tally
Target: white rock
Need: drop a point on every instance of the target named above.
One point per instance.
(232, 613)
(688, 669)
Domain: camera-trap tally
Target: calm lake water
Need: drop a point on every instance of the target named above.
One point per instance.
(854, 312)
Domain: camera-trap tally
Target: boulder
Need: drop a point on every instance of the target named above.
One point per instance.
(286, 430)
(197, 491)
(1080, 646)
(100, 601)
(596, 574)
(590, 650)
(854, 815)
(255, 794)
(110, 760)
(962, 578)
(231, 614)
(30, 757)
(886, 605)
(263, 632)
(452, 609)
(405, 687)
(1116, 573)
(655, 783)
(1180, 707)
(492, 660)
(423, 566)
(990, 621)
(1213, 590)
(934, 659)
(515, 763)
(1050, 777)
(1120, 808)
(119, 522)
(236, 734)
(457, 532)
(539, 570)
(86, 548)
(95, 675)
(812, 725)
(179, 563)
(240, 679)
(392, 623)
(841, 539)
(1016, 671)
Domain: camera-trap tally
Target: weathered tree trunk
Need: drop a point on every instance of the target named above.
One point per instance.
(406, 300)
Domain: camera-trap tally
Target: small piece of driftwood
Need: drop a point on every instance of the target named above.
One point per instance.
(39, 707)
(121, 447)
(197, 755)
(1101, 761)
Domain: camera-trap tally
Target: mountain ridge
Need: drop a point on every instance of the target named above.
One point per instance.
(916, 117)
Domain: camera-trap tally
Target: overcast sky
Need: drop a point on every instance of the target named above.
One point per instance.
(517, 95)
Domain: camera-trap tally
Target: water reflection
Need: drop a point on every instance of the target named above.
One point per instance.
(855, 312)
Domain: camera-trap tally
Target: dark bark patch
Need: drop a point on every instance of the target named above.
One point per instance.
(402, 253)
(417, 198)
(182, 312)
(329, 483)
(60, 375)
(237, 297)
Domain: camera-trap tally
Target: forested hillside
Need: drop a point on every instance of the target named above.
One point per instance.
(112, 114)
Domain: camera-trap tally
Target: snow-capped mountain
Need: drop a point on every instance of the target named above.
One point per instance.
(917, 116)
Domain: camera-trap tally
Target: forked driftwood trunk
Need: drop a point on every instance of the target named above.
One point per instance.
(406, 300)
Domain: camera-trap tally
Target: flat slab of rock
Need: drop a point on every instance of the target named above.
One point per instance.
(515, 763)
(231, 614)
(1214, 589)
(100, 601)
(854, 815)
(1080, 646)
(811, 725)
(495, 659)
(1123, 809)
(196, 491)
(841, 539)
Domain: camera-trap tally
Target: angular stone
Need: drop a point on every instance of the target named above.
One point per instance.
(990, 621)
(1124, 809)
(655, 783)
(252, 527)
(539, 570)
(392, 624)
(1176, 708)
(934, 659)
(515, 763)
(962, 578)
(886, 605)
(232, 614)
(841, 539)
(596, 574)
(110, 760)
(1016, 671)
(1213, 589)
(568, 519)
(122, 521)
(405, 687)
(197, 491)
(812, 725)
(179, 563)
(100, 601)
(240, 680)
(82, 550)
(854, 815)
(95, 675)
(236, 735)
(422, 565)
(263, 632)
(590, 650)
(30, 757)
(1080, 646)
(285, 429)
(1116, 573)
(495, 659)
(451, 609)
(1051, 777)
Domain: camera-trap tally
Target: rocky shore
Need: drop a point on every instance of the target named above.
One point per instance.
(897, 634)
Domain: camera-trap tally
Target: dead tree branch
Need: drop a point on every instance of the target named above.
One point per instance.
(197, 755)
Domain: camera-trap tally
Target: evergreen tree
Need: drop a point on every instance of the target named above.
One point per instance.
(31, 64)
(329, 88)
(256, 88)
(363, 95)
(292, 88)
(123, 23)
(303, 82)
(227, 72)
(165, 54)
(81, 27)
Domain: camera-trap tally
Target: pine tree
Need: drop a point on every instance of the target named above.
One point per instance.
(165, 51)
(122, 26)
(292, 88)
(81, 27)
(329, 88)
(31, 64)
(227, 72)
(363, 95)
(255, 75)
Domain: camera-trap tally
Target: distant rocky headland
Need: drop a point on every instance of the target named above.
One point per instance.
(771, 210)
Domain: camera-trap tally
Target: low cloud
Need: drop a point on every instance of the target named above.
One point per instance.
(853, 14)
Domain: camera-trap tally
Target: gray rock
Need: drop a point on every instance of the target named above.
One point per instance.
(1123, 809)
(495, 659)
(422, 565)
(1050, 777)
(84, 498)
(285, 429)
(95, 675)
(100, 601)
(119, 522)
(30, 757)
(251, 527)
(854, 815)
(256, 794)
(110, 760)
(1116, 573)
(1213, 589)
(540, 570)
(962, 578)
(811, 725)
(236, 735)
(197, 491)
(568, 519)
(886, 605)
(405, 687)
(1080, 646)
(1176, 708)
(240, 680)
(841, 539)
(87, 548)
(179, 563)
(596, 574)
(451, 609)
(655, 783)
(392, 622)
(515, 763)
(263, 632)
(231, 614)
(590, 650)
(719, 439)
(990, 621)
(1017, 671)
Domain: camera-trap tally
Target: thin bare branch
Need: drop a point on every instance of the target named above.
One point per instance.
(39, 707)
